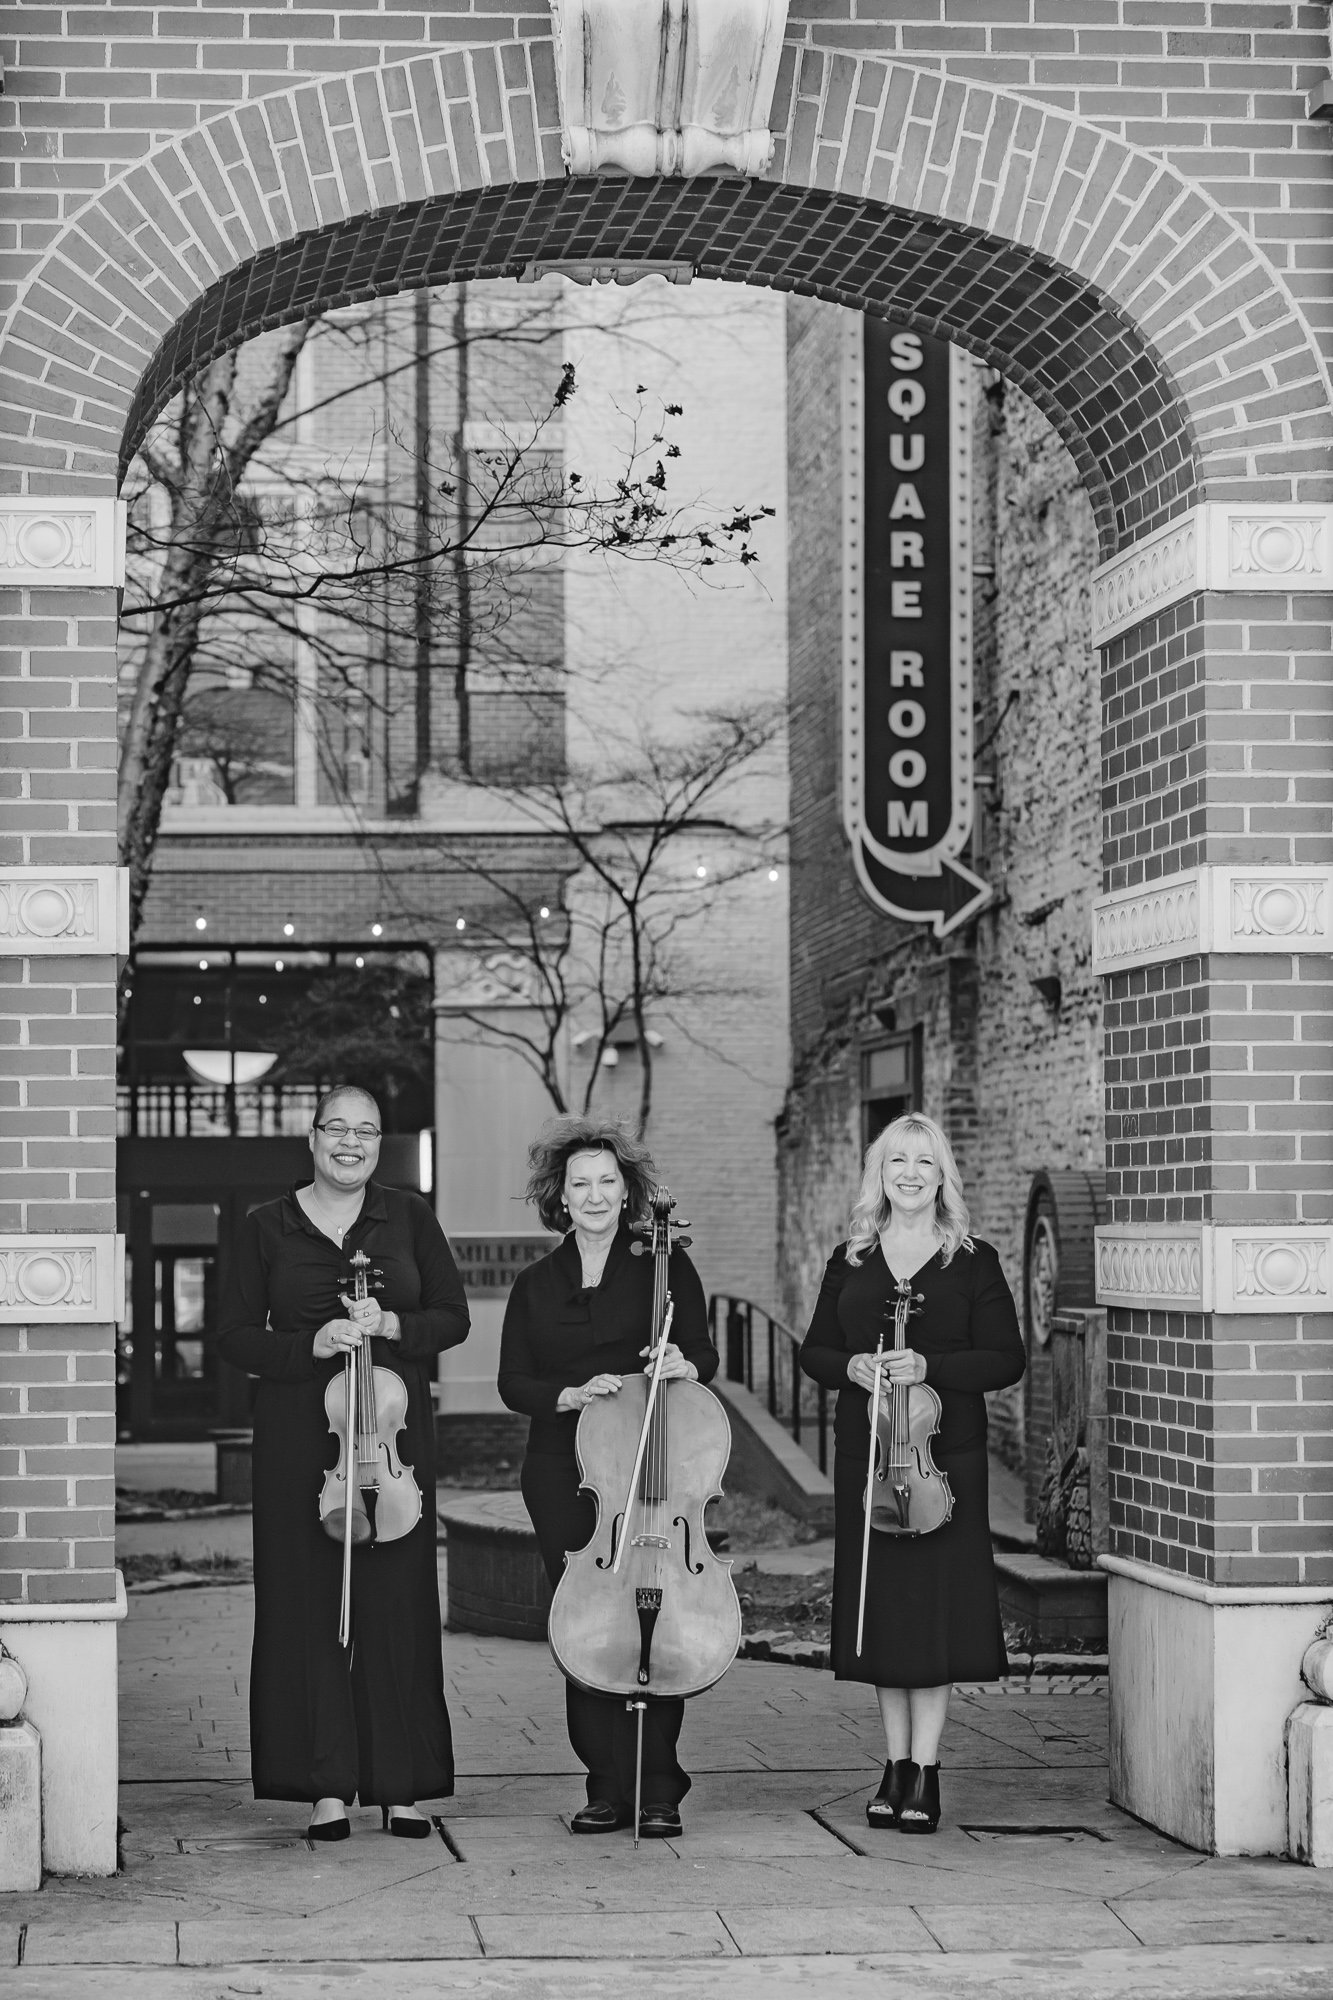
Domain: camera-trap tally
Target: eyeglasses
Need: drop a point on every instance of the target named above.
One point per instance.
(337, 1130)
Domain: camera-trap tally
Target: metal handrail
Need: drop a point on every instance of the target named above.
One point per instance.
(788, 1394)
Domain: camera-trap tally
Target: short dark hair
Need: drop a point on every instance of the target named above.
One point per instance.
(555, 1146)
(345, 1090)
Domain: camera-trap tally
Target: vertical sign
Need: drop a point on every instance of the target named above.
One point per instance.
(907, 798)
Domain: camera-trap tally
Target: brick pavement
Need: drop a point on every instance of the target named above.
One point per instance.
(1033, 1884)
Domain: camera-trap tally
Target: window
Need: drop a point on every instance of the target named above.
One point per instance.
(890, 1080)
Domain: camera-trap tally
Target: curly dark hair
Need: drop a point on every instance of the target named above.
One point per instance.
(554, 1147)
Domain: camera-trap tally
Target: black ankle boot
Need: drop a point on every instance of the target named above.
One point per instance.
(899, 1776)
(919, 1811)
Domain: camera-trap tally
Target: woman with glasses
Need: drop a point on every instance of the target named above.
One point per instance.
(329, 1726)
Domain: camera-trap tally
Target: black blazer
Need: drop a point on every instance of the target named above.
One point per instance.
(967, 1330)
(558, 1335)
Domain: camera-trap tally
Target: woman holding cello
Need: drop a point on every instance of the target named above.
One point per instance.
(913, 1299)
(329, 1723)
(576, 1324)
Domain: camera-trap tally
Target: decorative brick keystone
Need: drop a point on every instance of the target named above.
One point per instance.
(1278, 546)
(1211, 909)
(667, 86)
(64, 912)
(74, 1277)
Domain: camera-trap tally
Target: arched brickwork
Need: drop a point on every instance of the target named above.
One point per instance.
(1132, 308)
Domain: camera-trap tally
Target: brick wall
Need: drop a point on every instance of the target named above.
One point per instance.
(1015, 1080)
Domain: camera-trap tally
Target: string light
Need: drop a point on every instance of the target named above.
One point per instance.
(377, 930)
(701, 871)
(201, 923)
(277, 965)
(772, 874)
(461, 924)
(289, 930)
(544, 911)
(360, 963)
(203, 965)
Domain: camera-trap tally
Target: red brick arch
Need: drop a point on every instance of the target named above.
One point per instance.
(1133, 309)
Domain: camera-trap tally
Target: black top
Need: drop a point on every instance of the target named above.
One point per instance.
(285, 1277)
(967, 1330)
(559, 1333)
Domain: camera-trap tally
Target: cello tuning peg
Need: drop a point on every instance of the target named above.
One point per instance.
(638, 1249)
(684, 1242)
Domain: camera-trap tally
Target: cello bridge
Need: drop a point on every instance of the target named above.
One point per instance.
(650, 1541)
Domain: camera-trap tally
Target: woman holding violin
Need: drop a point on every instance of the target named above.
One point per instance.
(915, 1604)
(330, 1724)
(577, 1323)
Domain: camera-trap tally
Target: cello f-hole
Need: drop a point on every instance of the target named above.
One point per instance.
(606, 1561)
(694, 1568)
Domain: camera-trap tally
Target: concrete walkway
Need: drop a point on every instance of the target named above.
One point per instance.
(1033, 1887)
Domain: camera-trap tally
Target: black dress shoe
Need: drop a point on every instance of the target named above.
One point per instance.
(660, 1823)
(600, 1816)
(405, 1829)
(899, 1777)
(329, 1829)
(920, 1809)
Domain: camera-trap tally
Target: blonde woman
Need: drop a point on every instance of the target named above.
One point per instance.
(932, 1609)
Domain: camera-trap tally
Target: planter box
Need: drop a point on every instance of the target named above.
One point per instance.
(495, 1581)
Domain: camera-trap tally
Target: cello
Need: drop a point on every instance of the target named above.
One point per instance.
(647, 1611)
(370, 1495)
(918, 1498)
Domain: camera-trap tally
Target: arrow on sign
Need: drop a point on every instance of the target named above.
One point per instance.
(951, 895)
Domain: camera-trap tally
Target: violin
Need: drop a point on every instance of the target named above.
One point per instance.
(906, 1493)
(647, 1611)
(370, 1495)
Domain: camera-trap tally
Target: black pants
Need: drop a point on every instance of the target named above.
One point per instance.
(601, 1729)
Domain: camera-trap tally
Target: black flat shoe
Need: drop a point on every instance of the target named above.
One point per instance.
(329, 1829)
(405, 1829)
(599, 1816)
(899, 1777)
(920, 1809)
(660, 1823)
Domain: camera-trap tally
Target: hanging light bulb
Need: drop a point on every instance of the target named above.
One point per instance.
(201, 923)
(289, 930)
(377, 930)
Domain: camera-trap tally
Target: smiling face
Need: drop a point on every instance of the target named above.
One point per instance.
(346, 1159)
(912, 1177)
(594, 1192)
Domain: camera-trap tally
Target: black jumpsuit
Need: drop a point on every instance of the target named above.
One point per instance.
(558, 1335)
(932, 1607)
(377, 1729)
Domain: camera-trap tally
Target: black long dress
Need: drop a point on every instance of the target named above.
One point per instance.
(932, 1608)
(557, 1335)
(377, 1729)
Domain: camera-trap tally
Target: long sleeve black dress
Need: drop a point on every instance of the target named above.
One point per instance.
(932, 1609)
(558, 1335)
(319, 1728)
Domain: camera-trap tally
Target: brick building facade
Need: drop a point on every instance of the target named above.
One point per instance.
(1124, 211)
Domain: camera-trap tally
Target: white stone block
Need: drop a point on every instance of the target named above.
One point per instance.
(1202, 1681)
(68, 1652)
(1310, 1785)
(20, 1806)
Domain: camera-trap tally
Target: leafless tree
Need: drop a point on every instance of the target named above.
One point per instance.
(612, 945)
(227, 582)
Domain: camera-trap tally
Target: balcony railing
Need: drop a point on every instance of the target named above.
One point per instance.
(762, 1351)
(187, 1110)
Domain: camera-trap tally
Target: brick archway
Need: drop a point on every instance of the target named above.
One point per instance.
(1151, 303)
(1085, 269)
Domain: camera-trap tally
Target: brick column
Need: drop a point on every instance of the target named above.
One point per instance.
(1217, 1265)
(63, 921)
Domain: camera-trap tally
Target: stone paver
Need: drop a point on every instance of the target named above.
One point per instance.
(1034, 1884)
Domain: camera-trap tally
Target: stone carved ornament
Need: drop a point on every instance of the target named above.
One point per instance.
(43, 1279)
(45, 910)
(667, 86)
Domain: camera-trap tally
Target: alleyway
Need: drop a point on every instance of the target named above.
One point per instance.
(1034, 1885)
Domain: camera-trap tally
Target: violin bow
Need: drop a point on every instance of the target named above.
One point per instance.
(870, 1495)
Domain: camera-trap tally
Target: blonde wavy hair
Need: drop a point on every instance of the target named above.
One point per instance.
(871, 1209)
